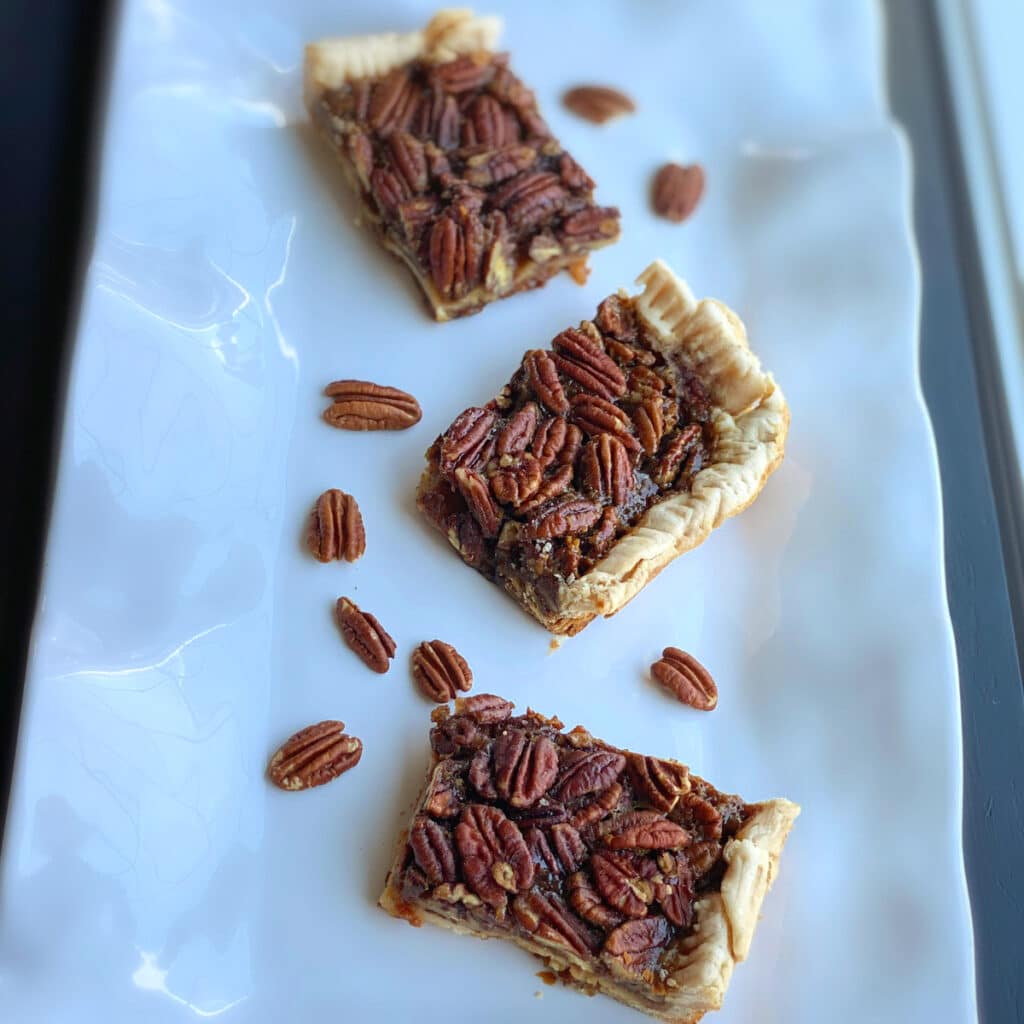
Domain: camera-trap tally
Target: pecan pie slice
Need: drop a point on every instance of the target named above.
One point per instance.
(608, 454)
(623, 873)
(456, 170)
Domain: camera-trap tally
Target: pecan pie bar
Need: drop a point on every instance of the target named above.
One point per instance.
(624, 873)
(456, 170)
(608, 454)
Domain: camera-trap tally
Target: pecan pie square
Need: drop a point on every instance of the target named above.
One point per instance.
(624, 873)
(608, 454)
(455, 168)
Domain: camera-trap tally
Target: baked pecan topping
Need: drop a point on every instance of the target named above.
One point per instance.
(543, 376)
(365, 635)
(677, 190)
(409, 161)
(494, 856)
(515, 437)
(699, 818)
(547, 917)
(660, 783)
(563, 854)
(567, 515)
(636, 944)
(598, 103)
(588, 771)
(361, 405)
(585, 900)
(686, 679)
(465, 442)
(477, 494)
(646, 830)
(595, 415)
(313, 756)
(524, 768)
(481, 774)
(618, 878)
(675, 891)
(485, 708)
(493, 166)
(443, 800)
(448, 257)
(440, 671)
(556, 442)
(391, 102)
(519, 482)
(649, 421)
(433, 851)
(684, 448)
(583, 360)
(529, 198)
(606, 470)
(598, 808)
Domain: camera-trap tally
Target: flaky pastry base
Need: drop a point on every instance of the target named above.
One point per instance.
(700, 965)
(750, 418)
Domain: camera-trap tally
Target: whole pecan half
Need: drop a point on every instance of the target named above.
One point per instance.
(686, 679)
(588, 771)
(440, 671)
(605, 532)
(515, 437)
(572, 174)
(313, 756)
(445, 121)
(675, 891)
(646, 830)
(564, 853)
(543, 377)
(518, 482)
(617, 318)
(392, 102)
(336, 528)
(580, 358)
(649, 421)
(636, 944)
(388, 189)
(681, 448)
(598, 808)
(556, 442)
(552, 486)
(433, 851)
(486, 125)
(529, 198)
(464, 74)
(495, 859)
(598, 103)
(361, 405)
(493, 166)
(524, 767)
(606, 470)
(658, 782)
(569, 515)
(596, 415)
(619, 879)
(466, 442)
(365, 635)
(699, 818)
(677, 190)
(584, 899)
(484, 708)
(591, 224)
(547, 917)
(447, 256)
(477, 494)
(409, 161)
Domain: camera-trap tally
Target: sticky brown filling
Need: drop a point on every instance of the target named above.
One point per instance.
(530, 831)
(534, 488)
(463, 177)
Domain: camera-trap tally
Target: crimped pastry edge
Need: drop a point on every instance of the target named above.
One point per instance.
(451, 32)
(751, 420)
(702, 963)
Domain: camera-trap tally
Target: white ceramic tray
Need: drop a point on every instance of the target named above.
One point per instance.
(150, 872)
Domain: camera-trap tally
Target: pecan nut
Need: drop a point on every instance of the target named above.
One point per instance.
(440, 671)
(543, 377)
(361, 405)
(484, 708)
(556, 442)
(443, 799)
(606, 470)
(675, 892)
(392, 103)
(365, 635)
(518, 482)
(564, 853)
(658, 782)
(551, 487)
(646, 830)
(682, 447)
(466, 442)
(495, 858)
(479, 499)
(619, 880)
(464, 74)
(493, 166)
(699, 818)
(569, 515)
(588, 771)
(409, 161)
(447, 256)
(547, 917)
(456, 893)
(677, 190)
(598, 808)
(616, 317)
(433, 851)
(584, 899)
(686, 679)
(598, 103)
(596, 415)
(517, 434)
(589, 225)
(529, 198)
(636, 944)
(649, 420)
(524, 767)
(313, 756)
(336, 528)
(582, 359)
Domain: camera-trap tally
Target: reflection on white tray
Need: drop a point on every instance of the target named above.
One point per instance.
(150, 873)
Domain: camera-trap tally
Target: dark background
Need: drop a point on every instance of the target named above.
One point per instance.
(53, 88)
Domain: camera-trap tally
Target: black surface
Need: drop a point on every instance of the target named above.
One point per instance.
(50, 81)
(963, 396)
(55, 71)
